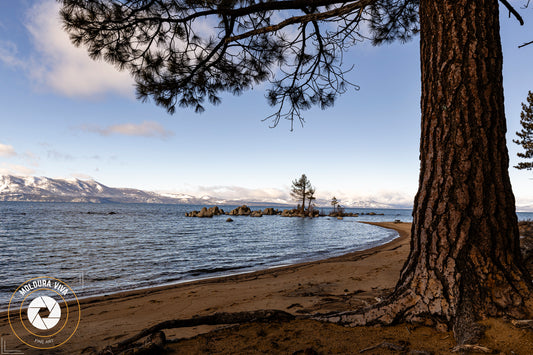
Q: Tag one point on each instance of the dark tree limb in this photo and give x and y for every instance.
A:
(525, 44)
(513, 11)
(214, 319)
(303, 19)
(176, 62)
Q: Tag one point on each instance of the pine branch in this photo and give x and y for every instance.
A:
(513, 11)
(525, 44)
(304, 19)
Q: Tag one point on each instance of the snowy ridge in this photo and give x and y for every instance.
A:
(43, 189)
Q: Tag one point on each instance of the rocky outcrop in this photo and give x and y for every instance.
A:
(289, 213)
(215, 211)
(205, 212)
(269, 211)
(313, 213)
(241, 211)
(246, 211)
(343, 214)
(256, 214)
(298, 213)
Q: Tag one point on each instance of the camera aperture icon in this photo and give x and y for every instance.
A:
(44, 303)
(44, 312)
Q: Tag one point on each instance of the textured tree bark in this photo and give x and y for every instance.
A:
(465, 261)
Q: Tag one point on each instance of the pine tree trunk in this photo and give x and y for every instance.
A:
(465, 253)
(465, 260)
(302, 209)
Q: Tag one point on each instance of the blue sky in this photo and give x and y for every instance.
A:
(64, 116)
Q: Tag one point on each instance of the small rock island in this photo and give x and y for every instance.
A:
(270, 211)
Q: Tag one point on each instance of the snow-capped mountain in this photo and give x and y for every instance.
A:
(31, 188)
(364, 204)
(43, 189)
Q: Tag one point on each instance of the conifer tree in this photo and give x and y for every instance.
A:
(526, 133)
(300, 191)
(310, 197)
(465, 262)
(334, 203)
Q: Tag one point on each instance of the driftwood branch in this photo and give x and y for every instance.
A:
(214, 319)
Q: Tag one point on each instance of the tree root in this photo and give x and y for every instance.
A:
(407, 307)
(387, 312)
(470, 348)
(215, 319)
(526, 323)
(466, 330)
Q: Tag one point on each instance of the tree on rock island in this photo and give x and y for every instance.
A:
(301, 190)
(465, 261)
(311, 197)
(334, 203)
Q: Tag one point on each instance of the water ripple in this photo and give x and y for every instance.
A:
(102, 248)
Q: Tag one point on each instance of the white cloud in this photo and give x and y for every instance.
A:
(7, 150)
(238, 193)
(391, 198)
(144, 129)
(281, 195)
(59, 65)
(13, 169)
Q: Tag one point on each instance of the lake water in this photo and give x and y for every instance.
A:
(140, 245)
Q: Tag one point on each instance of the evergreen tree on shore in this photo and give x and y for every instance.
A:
(526, 133)
(465, 263)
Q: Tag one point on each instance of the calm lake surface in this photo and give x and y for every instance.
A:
(139, 245)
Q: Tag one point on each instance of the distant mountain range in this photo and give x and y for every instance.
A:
(43, 189)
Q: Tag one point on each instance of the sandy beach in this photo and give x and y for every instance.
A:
(336, 284)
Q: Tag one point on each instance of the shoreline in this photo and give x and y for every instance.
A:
(239, 276)
(251, 270)
(343, 283)
(110, 318)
